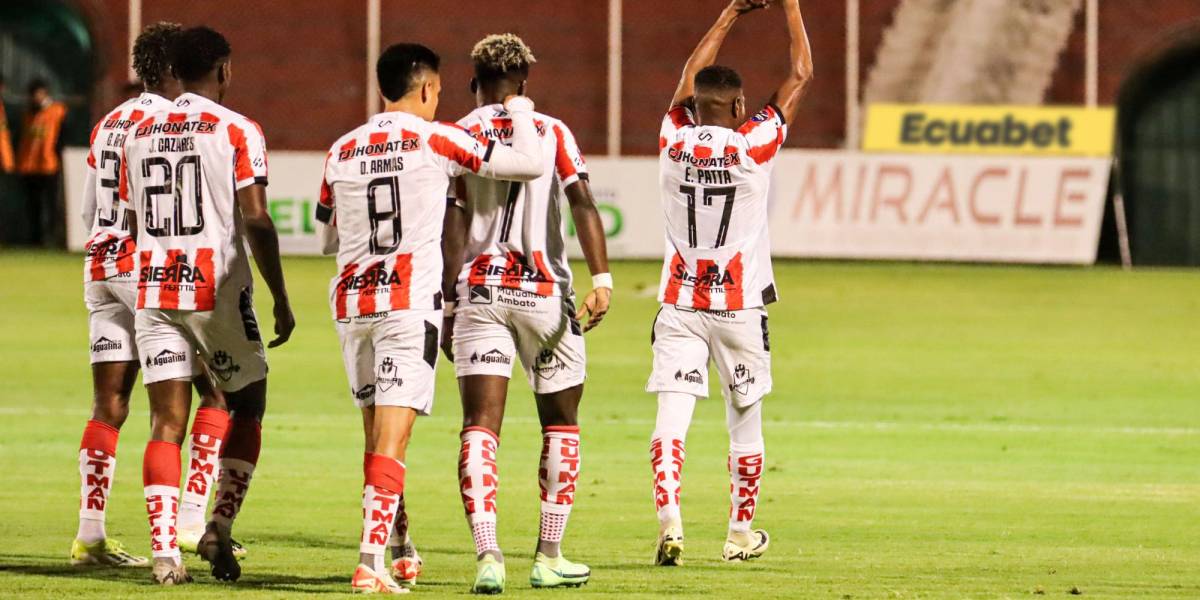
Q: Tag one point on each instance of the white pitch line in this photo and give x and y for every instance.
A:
(896, 426)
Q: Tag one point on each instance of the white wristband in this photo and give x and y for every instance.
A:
(519, 103)
(448, 308)
(602, 280)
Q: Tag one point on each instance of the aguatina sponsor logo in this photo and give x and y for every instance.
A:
(491, 357)
(693, 376)
(104, 344)
(365, 392)
(166, 357)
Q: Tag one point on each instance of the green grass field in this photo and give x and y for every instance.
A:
(935, 432)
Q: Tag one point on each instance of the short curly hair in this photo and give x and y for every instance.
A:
(497, 55)
(197, 51)
(150, 52)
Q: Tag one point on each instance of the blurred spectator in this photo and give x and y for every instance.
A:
(6, 151)
(39, 163)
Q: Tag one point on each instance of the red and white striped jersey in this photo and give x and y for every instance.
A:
(516, 237)
(110, 249)
(182, 169)
(385, 192)
(714, 197)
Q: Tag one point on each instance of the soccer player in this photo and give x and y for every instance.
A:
(715, 168)
(383, 200)
(516, 299)
(195, 174)
(110, 292)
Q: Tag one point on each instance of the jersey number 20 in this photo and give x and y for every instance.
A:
(168, 222)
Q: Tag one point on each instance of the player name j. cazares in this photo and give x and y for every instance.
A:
(949, 129)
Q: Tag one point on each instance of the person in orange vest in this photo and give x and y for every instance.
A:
(38, 159)
(6, 151)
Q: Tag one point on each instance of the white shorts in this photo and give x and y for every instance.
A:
(391, 358)
(737, 341)
(226, 338)
(110, 305)
(494, 324)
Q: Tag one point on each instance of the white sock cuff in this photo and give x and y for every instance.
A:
(556, 509)
(747, 448)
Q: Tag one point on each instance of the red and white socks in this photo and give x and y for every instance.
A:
(383, 484)
(204, 450)
(160, 478)
(745, 467)
(478, 481)
(239, 456)
(97, 468)
(667, 453)
(558, 474)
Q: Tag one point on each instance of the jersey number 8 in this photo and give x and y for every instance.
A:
(388, 215)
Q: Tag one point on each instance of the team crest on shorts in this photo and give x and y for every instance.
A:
(693, 376)
(548, 365)
(222, 365)
(741, 380)
(481, 294)
(387, 375)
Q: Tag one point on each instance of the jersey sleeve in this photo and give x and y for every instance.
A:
(569, 165)
(88, 211)
(325, 202)
(679, 117)
(764, 133)
(249, 153)
(457, 151)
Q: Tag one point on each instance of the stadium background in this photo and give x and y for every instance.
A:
(936, 431)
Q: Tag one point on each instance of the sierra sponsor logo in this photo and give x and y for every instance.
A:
(712, 278)
(104, 344)
(375, 276)
(517, 270)
(387, 375)
(693, 376)
(742, 380)
(491, 357)
(178, 272)
(166, 357)
(222, 365)
(111, 248)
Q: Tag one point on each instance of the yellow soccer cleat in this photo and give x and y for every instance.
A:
(557, 572)
(105, 553)
(489, 576)
(670, 546)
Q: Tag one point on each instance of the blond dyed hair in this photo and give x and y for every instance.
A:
(502, 52)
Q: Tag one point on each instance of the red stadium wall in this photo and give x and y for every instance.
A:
(299, 66)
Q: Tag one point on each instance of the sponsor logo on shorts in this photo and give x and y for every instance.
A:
(481, 294)
(387, 376)
(742, 379)
(693, 376)
(222, 365)
(548, 365)
(164, 358)
(106, 345)
(365, 392)
(491, 357)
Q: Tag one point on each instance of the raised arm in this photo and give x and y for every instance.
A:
(801, 70)
(523, 161)
(705, 53)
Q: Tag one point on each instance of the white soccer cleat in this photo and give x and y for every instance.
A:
(407, 569)
(670, 546)
(366, 581)
(170, 571)
(750, 549)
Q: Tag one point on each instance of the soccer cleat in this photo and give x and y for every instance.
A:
(169, 572)
(216, 547)
(105, 553)
(366, 581)
(489, 576)
(406, 569)
(737, 552)
(670, 547)
(189, 541)
(557, 572)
